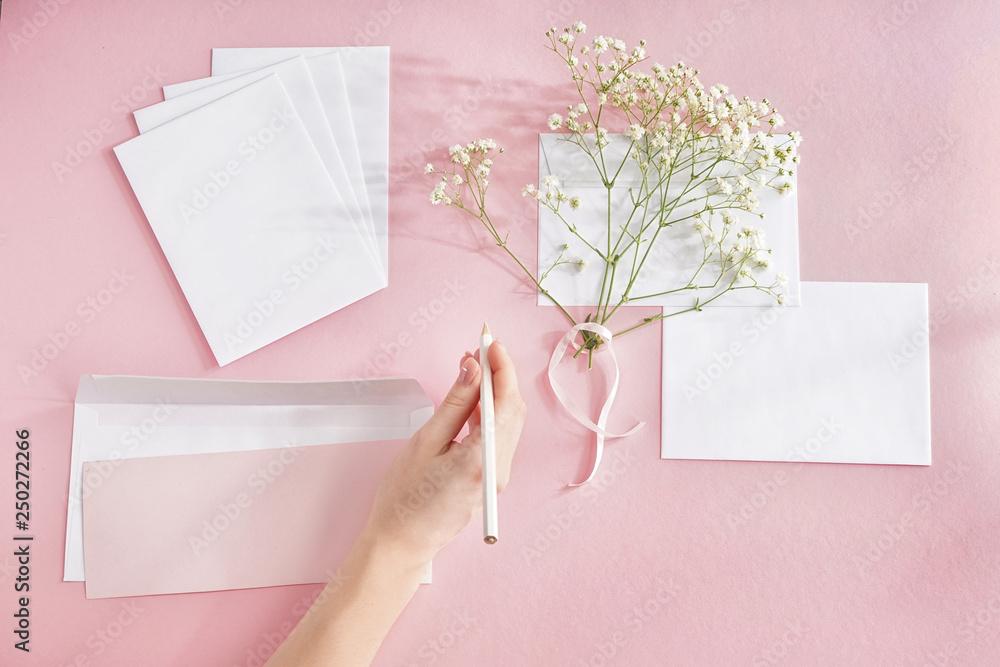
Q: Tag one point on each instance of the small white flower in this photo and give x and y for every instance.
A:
(579, 27)
(580, 265)
(574, 203)
(786, 188)
(635, 132)
(565, 38)
(796, 138)
(528, 190)
(429, 169)
(781, 299)
(782, 279)
(555, 121)
(438, 195)
(457, 180)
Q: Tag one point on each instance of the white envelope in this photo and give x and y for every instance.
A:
(120, 417)
(249, 219)
(298, 83)
(676, 253)
(844, 378)
(365, 73)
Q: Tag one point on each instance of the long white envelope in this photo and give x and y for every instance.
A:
(365, 72)
(844, 378)
(118, 418)
(675, 255)
(249, 219)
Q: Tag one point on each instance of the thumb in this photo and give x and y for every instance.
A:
(463, 397)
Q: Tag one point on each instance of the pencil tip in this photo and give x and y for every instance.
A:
(486, 329)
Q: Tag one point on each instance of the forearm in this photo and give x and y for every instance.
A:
(348, 621)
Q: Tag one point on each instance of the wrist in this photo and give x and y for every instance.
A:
(392, 556)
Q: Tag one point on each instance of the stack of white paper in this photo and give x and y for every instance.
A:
(266, 186)
(842, 375)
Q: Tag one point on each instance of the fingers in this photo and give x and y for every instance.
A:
(463, 397)
(510, 409)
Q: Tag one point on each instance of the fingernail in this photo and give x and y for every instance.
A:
(468, 371)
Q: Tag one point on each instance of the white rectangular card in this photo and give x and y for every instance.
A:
(844, 378)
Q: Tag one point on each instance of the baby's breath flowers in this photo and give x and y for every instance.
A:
(703, 155)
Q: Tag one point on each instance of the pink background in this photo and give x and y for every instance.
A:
(841, 564)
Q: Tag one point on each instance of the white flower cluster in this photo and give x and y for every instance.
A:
(721, 150)
(474, 160)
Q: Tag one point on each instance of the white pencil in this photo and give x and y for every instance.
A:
(488, 424)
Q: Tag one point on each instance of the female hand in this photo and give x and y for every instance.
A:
(433, 488)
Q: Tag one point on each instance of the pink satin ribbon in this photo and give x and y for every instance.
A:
(573, 408)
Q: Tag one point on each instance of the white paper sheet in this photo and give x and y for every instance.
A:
(249, 219)
(677, 252)
(844, 378)
(119, 417)
(365, 72)
(294, 75)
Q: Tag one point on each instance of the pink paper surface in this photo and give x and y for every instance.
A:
(207, 522)
(770, 563)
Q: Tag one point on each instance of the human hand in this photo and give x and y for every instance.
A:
(433, 488)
